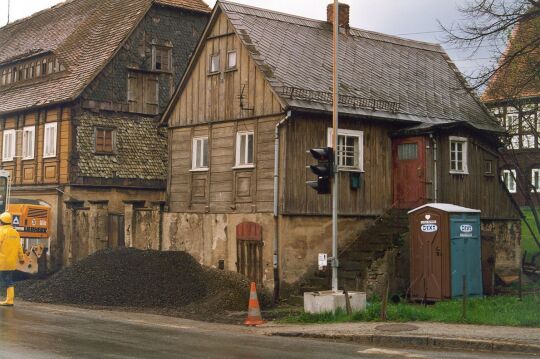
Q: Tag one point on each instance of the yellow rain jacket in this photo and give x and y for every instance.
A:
(11, 251)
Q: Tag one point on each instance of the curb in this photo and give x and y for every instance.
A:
(418, 341)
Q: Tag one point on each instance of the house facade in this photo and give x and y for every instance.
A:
(513, 95)
(82, 85)
(256, 96)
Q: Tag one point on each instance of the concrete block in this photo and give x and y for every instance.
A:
(328, 301)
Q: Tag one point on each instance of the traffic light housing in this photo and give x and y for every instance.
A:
(324, 169)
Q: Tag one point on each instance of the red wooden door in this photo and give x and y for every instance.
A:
(409, 157)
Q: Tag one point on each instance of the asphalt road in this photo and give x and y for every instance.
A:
(43, 331)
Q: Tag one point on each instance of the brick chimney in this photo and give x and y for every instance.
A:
(343, 14)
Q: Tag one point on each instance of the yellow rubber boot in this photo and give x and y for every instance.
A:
(10, 297)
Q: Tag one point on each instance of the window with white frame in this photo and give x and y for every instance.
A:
(527, 141)
(29, 140)
(244, 149)
(231, 60)
(214, 64)
(8, 147)
(535, 180)
(513, 143)
(509, 179)
(49, 147)
(350, 149)
(458, 155)
(199, 159)
(512, 122)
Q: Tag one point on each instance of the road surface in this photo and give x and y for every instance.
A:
(44, 331)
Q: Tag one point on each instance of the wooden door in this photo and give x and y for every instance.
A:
(116, 231)
(409, 173)
(250, 251)
(427, 253)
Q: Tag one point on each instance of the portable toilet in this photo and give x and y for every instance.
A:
(445, 248)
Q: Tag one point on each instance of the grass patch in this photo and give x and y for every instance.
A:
(527, 241)
(499, 310)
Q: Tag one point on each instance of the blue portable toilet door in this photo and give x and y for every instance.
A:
(465, 253)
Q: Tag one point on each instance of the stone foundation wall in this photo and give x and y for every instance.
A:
(507, 244)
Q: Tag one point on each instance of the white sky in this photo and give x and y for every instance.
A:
(396, 17)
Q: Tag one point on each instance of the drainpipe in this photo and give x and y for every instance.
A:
(276, 207)
(435, 190)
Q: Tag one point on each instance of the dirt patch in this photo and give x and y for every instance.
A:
(155, 281)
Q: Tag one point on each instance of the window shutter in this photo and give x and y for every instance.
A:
(151, 93)
(134, 92)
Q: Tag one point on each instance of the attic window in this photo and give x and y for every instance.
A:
(214, 64)
(161, 58)
(231, 60)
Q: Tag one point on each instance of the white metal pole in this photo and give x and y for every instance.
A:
(335, 184)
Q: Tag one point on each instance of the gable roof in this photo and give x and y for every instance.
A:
(380, 75)
(83, 34)
(519, 78)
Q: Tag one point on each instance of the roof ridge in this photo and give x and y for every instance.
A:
(37, 13)
(436, 47)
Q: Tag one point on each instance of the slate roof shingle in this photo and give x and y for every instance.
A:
(296, 52)
(83, 35)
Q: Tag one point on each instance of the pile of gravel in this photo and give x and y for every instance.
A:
(141, 279)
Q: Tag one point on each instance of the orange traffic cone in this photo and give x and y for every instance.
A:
(254, 311)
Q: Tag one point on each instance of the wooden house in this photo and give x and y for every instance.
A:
(82, 85)
(256, 96)
(513, 95)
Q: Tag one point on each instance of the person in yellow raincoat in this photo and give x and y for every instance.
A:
(11, 252)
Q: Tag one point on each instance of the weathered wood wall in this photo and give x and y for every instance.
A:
(475, 190)
(216, 97)
(375, 192)
(222, 188)
(39, 170)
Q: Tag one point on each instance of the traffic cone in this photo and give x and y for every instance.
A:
(254, 311)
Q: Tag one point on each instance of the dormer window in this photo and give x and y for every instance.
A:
(29, 70)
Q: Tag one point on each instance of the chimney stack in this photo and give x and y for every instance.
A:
(343, 14)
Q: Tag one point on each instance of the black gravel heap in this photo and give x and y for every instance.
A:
(145, 279)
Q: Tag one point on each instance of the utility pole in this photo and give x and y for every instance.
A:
(335, 182)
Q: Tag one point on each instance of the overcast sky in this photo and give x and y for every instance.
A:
(406, 18)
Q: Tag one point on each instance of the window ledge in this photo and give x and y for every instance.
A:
(49, 156)
(28, 158)
(8, 160)
(243, 167)
(199, 169)
(346, 169)
(232, 69)
(458, 172)
(214, 73)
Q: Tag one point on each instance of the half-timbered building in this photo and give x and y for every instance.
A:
(82, 85)
(513, 95)
(257, 95)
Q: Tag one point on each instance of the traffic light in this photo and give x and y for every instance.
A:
(324, 169)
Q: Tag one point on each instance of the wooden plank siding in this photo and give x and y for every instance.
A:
(216, 97)
(475, 190)
(375, 193)
(222, 188)
(218, 106)
(39, 170)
